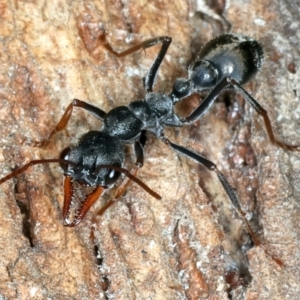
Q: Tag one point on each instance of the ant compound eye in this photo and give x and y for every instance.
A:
(64, 155)
(112, 176)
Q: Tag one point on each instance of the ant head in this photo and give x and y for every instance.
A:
(93, 150)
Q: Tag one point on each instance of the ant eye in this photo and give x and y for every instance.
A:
(112, 176)
(64, 155)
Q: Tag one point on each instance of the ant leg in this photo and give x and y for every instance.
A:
(206, 104)
(150, 78)
(227, 187)
(262, 112)
(212, 167)
(210, 99)
(62, 124)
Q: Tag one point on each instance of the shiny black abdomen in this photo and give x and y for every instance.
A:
(237, 56)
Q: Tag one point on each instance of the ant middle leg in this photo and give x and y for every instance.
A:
(62, 124)
(150, 77)
(206, 104)
(228, 189)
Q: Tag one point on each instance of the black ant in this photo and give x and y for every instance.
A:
(229, 60)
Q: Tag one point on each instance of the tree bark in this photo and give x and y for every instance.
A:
(191, 244)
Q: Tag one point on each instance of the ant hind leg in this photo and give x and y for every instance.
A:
(150, 77)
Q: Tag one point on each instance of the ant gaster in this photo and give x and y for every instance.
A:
(229, 60)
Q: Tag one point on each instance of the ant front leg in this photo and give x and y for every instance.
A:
(62, 124)
(210, 99)
(139, 153)
(150, 78)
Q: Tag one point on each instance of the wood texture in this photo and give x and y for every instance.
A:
(190, 244)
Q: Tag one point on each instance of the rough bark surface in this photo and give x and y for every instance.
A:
(191, 244)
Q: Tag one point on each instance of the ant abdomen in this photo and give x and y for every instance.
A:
(237, 56)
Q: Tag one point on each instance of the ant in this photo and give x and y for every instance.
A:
(230, 60)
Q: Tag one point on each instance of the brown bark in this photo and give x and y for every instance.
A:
(187, 245)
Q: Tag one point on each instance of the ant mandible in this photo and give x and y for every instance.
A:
(229, 60)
